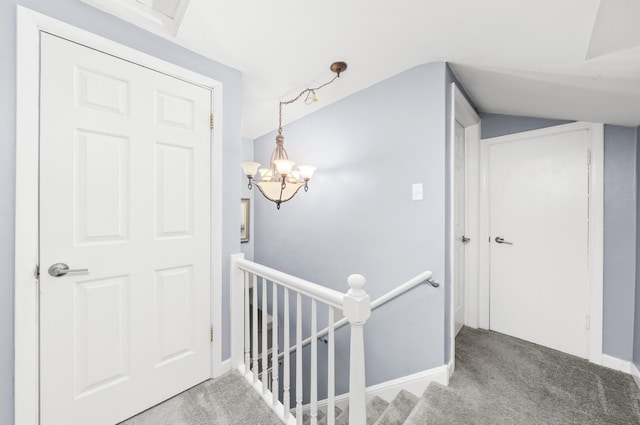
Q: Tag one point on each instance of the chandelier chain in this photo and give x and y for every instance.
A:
(307, 90)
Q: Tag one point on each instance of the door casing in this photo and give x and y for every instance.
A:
(480, 297)
(29, 26)
(463, 112)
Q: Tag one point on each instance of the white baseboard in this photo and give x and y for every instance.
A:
(451, 367)
(616, 364)
(415, 383)
(635, 373)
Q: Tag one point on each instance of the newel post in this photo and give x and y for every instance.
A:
(236, 307)
(357, 309)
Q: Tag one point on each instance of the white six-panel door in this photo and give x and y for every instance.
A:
(539, 206)
(124, 193)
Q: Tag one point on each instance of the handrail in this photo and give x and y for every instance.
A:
(310, 289)
(383, 299)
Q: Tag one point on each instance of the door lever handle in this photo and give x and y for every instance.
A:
(501, 240)
(61, 269)
(465, 239)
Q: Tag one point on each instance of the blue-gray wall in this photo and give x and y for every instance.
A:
(86, 17)
(619, 240)
(494, 125)
(358, 216)
(636, 339)
(619, 224)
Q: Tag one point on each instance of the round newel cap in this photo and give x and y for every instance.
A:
(356, 283)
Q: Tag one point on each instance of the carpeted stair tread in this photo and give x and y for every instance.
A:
(375, 407)
(439, 405)
(398, 410)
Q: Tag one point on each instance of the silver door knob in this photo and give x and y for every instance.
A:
(501, 240)
(61, 269)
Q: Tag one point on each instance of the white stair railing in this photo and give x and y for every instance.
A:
(355, 305)
(378, 302)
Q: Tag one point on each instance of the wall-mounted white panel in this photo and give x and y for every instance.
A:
(102, 342)
(99, 91)
(101, 187)
(174, 312)
(174, 191)
(174, 111)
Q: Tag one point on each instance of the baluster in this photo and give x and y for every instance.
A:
(286, 399)
(247, 336)
(314, 364)
(274, 346)
(331, 381)
(255, 329)
(265, 337)
(299, 359)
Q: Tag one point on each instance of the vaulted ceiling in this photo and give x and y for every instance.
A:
(565, 59)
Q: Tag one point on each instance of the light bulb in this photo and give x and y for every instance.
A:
(283, 166)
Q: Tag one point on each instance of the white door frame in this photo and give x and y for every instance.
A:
(596, 226)
(465, 114)
(26, 327)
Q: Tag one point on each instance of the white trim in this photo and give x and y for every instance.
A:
(29, 26)
(143, 15)
(616, 364)
(415, 383)
(462, 112)
(451, 367)
(596, 226)
(472, 224)
(635, 373)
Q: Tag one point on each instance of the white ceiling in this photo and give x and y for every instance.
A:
(513, 57)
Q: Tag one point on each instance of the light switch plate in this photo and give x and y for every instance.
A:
(416, 192)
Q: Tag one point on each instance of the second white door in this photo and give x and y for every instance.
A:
(539, 227)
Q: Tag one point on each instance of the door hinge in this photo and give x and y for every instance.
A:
(589, 157)
(588, 323)
(211, 334)
(37, 272)
(211, 121)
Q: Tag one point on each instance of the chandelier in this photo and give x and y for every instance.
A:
(281, 181)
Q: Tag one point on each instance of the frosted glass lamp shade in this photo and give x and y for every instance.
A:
(284, 166)
(306, 171)
(250, 168)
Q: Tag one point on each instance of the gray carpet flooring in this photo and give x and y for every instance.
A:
(228, 400)
(498, 380)
(503, 380)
